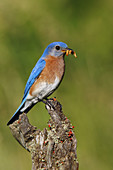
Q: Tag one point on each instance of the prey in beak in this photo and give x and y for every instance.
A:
(69, 51)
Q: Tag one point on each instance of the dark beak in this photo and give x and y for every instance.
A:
(69, 51)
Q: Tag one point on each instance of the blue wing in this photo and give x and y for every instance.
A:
(34, 74)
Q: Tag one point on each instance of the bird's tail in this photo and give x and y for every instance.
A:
(17, 113)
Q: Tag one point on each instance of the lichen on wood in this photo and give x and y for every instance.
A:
(50, 149)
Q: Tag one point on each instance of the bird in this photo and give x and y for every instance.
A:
(45, 77)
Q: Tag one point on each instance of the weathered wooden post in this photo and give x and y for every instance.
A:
(50, 149)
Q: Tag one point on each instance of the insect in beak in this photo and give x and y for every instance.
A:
(69, 51)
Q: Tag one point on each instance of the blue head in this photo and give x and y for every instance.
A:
(55, 49)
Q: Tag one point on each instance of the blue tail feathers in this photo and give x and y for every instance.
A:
(17, 113)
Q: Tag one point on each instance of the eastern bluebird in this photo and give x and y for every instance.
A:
(44, 78)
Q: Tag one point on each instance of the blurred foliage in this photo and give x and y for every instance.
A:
(86, 92)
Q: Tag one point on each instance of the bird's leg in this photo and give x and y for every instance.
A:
(48, 102)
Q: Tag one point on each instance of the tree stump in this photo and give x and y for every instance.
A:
(53, 149)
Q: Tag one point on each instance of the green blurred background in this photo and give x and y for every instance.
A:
(86, 92)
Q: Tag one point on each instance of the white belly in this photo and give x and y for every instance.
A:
(42, 90)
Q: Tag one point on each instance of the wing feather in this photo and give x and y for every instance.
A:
(34, 74)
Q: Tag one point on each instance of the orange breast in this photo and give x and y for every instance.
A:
(54, 68)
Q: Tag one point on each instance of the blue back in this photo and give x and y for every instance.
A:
(34, 74)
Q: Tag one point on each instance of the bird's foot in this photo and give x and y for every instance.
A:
(47, 102)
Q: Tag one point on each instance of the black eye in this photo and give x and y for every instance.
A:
(57, 47)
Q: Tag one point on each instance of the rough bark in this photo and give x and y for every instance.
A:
(50, 149)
